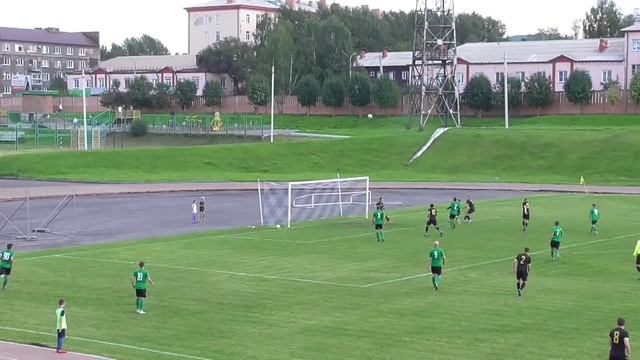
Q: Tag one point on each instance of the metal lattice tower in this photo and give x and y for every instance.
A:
(433, 86)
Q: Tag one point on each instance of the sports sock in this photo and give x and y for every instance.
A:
(381, 236)
(433, 280)
(426, 230)
(141, 304)
(137, 304)
(518, 286)
(377, 236)
(522, 286)
(4, 283)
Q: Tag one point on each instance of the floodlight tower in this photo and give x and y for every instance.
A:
(433, 86)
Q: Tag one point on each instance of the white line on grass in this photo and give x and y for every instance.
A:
(108, 343)
(50, 349)
(495, 261)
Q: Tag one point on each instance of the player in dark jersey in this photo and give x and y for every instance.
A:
(526, 214)
(522, 267)
(201, 209)
(471, 208)
(432, 220)
(619, 342)
(380, 205)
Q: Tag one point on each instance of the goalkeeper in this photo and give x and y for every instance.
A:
(380, 206)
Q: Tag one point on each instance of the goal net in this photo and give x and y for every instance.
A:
(282, 204)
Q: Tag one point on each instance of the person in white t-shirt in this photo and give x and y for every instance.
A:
(194, 212)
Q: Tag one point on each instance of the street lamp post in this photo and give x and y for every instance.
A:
(84, 110)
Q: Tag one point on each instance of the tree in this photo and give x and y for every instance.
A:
(514, 86)
(613, 91)
(161, 96)
(278, 48)
(212, 93)
(578, 87)
(333, 93)
(478, 94)
(385, 93)
(258, 92)
(359, 90)
(185, 93)
(477, 28)
(231, 57)
(114, 97)
(539, 93)
(308, 91)
(635, 89)
(603, 20)
(140, 92)
(60, 85)
(550, 33)
(133, 46)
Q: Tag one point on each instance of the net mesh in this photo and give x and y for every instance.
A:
(313, 200)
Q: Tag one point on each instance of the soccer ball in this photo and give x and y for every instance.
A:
(370, 116)
(278, 226)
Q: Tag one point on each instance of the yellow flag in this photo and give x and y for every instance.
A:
(581, 180)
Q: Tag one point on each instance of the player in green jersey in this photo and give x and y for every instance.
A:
(437, 263)
(378, 222)
(556, 239)
(453, 213)
(7, 259)
(594, 216)
(459, 210)
(139, 281)
(61, 326)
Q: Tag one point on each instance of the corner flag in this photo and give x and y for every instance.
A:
(584, 183)
(581, 180)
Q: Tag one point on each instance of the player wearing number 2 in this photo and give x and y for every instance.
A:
(522, 267)
(619, 342)
(139, 282)
(437, 262)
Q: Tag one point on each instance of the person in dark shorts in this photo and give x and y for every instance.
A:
(139, 281)
(380, 205)
(437, 263)
(201, 209)
(556, 239)
(620, 347)
(454, 212)
(526, 214)
(378, 222)
(7, 260)
(522, 267)
(432, 220)
(471, 208)
(636, 253)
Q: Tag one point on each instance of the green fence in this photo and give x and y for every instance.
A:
(20, 136)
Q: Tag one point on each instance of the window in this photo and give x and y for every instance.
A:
(258, 18)
(76, 83)
(45, 49)
(154, 82)
(247, 36)
(217, 19)
(44, 88)
(6, 90)
(36, 77)
(6, 61)
(57, 50)
(562, 76)
(223, 83)
(34, 64)
(69, 64)
(542, 73)
(217, 35)
(82, 52)
(45, 63)
(636, 45)
(405, 75)
(460, 78)
(127, 82)
(32, 49)
(248, 19)
(209, 19)
(46, 76)
(58, 64)
(607, 76)
(206, 36)
(6, 76)
(521, 76)
(69, 51)
(6, 47)
(82, 64)
(60, 75)
(168, 81)
(196, 80)
(634, 69)
(101, 83)
(89, 83)
(499, 77)
(19, 62)
(392, 75)
(113, 83)
(19, 48)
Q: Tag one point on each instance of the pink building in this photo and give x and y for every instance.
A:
(167, 69)
(615, 59)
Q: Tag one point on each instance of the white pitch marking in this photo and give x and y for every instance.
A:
(51, 350)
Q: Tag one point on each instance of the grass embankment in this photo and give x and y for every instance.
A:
(605, 150)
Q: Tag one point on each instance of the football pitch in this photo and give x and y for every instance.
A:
(327, 290)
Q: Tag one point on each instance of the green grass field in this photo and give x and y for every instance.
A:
(326, 290)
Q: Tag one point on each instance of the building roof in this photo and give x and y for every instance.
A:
(50, 36)
(586, 50)
(235, 3)
(634, 27)
(148, 63)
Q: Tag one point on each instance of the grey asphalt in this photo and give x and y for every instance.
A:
(111, 218)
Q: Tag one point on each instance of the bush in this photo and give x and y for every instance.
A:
(578, 87)
(539, 92)
(212, 93)
(385, 93)
(138, 128)
(359, 90)
(333, 93)
(478, 94)
(258, 92)
(308, 91)
(635, 89)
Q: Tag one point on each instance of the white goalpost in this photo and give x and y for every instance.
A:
(282, 204)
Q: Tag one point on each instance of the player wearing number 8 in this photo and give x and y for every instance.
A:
(139, 282)
(437, 262)
(619, 342)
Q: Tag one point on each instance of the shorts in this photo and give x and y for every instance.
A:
(469, 212)
(616, 356)
(5, 271)
(379, 226)
(555, 244)
(593, 222)
(141, 293)
(201, 209)
(526, 216)
(452, 216)
(638, 260)
(436, 270)
(431, 222)
(522, 275)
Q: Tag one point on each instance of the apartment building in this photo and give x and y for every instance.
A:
(615, 59)
(31, 58)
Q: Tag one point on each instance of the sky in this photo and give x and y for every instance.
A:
(167, 19)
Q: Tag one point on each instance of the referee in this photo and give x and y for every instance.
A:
(636, 253)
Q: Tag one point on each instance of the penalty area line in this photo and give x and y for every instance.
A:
(108, 343)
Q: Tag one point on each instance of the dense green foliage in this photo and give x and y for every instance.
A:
(386, 93)
(308, 91)
(478, 94)
(133, 46)
(212, 93)
(539, 93)
(139, 93)
(185, 93)
(359, 90)
(515, 95)
(605, 20)
(635, 89)
(258, 92)
(333, 93)
(578, 87)
(232, 57)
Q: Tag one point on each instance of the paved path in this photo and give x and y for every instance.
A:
(11, 351)
(15, 189)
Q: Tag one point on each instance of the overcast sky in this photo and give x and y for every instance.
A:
(167, 19)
